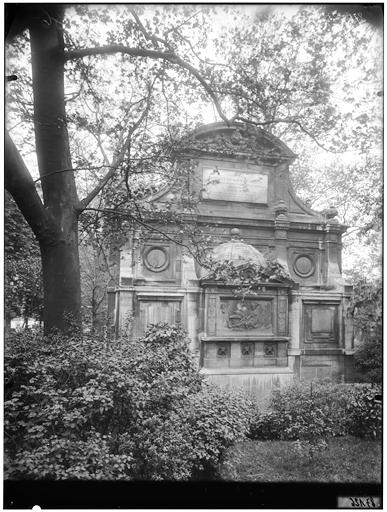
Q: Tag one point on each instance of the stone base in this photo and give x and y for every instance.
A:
(336, 368)
(259, 384)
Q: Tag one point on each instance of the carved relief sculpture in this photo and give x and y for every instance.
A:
(269, 350)
(304, 265)
(247, 349)
(250, 314)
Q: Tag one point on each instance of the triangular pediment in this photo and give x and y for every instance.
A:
(235, 140)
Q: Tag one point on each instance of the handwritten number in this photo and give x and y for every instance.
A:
(360, 503)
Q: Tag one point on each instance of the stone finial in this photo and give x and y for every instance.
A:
(281, 209)
(330, 213)
(235, 233)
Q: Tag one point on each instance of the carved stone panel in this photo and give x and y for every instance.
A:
(234, 185)
(223, 350)
(251, 316)
(156, 258)
(270, 349)
(247, 349)
(158, 261)
(245, 354)
(304, 264)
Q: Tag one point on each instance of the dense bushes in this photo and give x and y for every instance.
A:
(369, 360)
(367, 310)
(312, 412)
(96, 409)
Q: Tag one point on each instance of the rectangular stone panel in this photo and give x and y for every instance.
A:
(250, 316)
(321, 325)
(234, 354)
(322, 320)
(234, 185)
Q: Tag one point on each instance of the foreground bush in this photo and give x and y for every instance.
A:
(313, 412)
(96, 409)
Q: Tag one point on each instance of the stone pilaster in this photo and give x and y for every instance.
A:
(348, 321)
(281, 228)
(126, 264)
(189, 276)
(126, 313)
(332, 246)
(295, 322)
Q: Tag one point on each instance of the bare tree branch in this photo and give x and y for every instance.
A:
(288, 121)
(72, 169)
(149, 227)
(118, 159)
(155, 39)
(115, 164)
(101, 148)
(152, 54)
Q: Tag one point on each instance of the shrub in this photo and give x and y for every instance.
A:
(216, 421)
(367, 310)
(369, 360)
(364, 413)
(92, 408)
(314, 412)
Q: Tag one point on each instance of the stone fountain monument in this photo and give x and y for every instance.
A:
(288, 328)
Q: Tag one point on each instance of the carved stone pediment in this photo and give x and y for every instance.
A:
(236, 140)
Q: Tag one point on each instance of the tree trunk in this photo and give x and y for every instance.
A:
(62, 299)
(59, 251)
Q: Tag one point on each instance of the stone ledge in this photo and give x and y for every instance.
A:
(323, 352)
(244, 338)
(246, 371)
(294, 352)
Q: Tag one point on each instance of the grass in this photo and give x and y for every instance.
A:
(345, 460)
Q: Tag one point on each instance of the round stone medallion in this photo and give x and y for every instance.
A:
(304, 266)
(156, 259)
